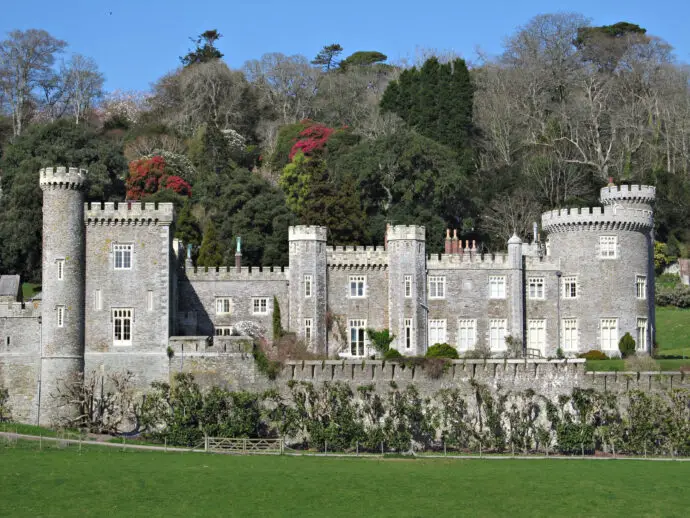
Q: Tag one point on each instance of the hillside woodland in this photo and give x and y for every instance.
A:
(352, 141)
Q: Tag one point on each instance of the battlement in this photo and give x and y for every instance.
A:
(307, 233)
(62, 178)
(642, 194)
(468, 261)
(128, 212)
(607, 218)
(247, 273)
(411, 232)
(357, 256)
(30, 309)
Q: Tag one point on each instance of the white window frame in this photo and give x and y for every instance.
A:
(641, 287)
(357, 286)
(407, 282)
(536, 288)
(498, 330)
(308, 286)
(357, 339)
(570, 336)
(222, 330)
(308, 330)
(60, 263)
(437, 326)
(60, 316)
(437, 286)
(536, 334)
(642, 328)
(608, 334)
(570, 285)
(98, 300)
(124, 318)
(409, 334)
(223, 305)
(608, 247)
(149, 300)
(497, 286)
(259, 305)
(467, 334)
(123, 251)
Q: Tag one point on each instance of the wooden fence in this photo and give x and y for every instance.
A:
(244, 446)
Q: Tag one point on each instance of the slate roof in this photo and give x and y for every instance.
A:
(9, 285)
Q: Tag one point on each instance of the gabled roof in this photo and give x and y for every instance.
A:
(9, 285)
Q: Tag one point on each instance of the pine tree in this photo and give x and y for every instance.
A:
(210, 253)
(187, 229)
(327, 57)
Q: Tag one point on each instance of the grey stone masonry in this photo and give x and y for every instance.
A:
(63, 275)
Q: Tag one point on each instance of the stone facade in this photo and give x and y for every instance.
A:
(131, 301)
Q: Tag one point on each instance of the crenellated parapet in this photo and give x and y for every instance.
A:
(247, 273)
(307, 233)
(406, 232)
(31, 309)
(357, 257)
(128, 213)
(628, 194)
(468, 261)
(608, 218)
(71, 178)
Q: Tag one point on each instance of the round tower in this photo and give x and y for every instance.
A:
(605, 258)
(62, 331)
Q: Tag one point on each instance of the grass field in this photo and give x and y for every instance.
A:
(673, 330)
(111, 483)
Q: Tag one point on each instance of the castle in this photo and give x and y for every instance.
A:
(118, 291)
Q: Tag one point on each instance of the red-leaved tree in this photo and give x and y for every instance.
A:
(311, 139)
(147, 176)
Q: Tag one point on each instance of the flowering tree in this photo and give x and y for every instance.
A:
(311, 139)
(148, 176)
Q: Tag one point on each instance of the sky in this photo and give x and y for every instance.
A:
(136, 42)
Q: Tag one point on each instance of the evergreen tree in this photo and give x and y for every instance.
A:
(205, 48)
(210, 253)
(327, 56)
(187, 229)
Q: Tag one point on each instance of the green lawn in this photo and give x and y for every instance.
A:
(673, 330)
(111, 483)
(619, 365)
(30, 289)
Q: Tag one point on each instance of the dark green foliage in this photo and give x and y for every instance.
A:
(626, 345)
(363, 58)
(435, 100)
(287, 136)
(5, 413)
(203, 52)
(678, 296)
(442, 351)
(380, 340)
(277, 325)
(211, 252)
(604, 46)
(187, 229)
(593, 355)
(266, 366)
(47, 145)
(392, 354)
(327, 58)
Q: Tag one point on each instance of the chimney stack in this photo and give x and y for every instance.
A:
(447, 243)
(454, 242)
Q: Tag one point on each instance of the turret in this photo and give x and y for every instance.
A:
(517, 302)
(308, 287)
(62, 342)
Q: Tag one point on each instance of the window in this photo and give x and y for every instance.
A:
(535, 288)
(570, 287)
(260, 306)
(437, 332)
(497, 287)
(536, 335)
(7, 341)
(437, 288)
(408, 333)
(609, 334)
(570, 334)
(61, 316)
(149, 300)
(641, 334)
(408, 286)
(60, 269)
(608, 246)
(641, 286)
(357, 337)
(223, 305)
(467, 334)
(308, 325)
(97, 300)
(223, 331)
(358, 286)
(497, 334)
(123, 257)
(307, 286)
(122, 326)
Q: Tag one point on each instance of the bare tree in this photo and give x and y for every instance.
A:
(508, 214)
(84, 84)
(26, 58)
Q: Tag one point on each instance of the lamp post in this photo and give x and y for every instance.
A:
(558, 306)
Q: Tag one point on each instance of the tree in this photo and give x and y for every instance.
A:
(363, 58)
(149, 176)
(606, 45)
(205, 52)
(328, 57)
(187, 228)
(210, 253)
(626, 345)
(26, 58)
(84, 85)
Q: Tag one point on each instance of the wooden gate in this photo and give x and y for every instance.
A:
(244, 446)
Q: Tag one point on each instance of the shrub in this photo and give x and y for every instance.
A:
(626, 346)
(593, 355)
(435, 366)
(559, 353)
(392, 354)
(277, 325)
(266, 366)
(380, 340)
(641, 364)
(442, 351)
(4, 405)
(481, 351)
(678, 296)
